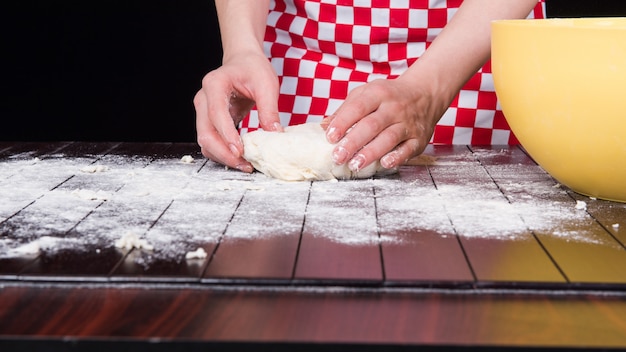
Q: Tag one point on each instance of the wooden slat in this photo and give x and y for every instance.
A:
(584, 250)
(86, 149)
(337, 214)
(165, 173)
(36, 200)
(10, 267)
(196, 218)
(349, 229)
(261, 242)
(428, 320)
(5, 147)
(98, 257)
(494, 237)
(29, 150)
(415, 254)
(611, 215)
(145, 150)
(90, 263)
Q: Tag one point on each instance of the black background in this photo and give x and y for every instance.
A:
(104, 70)
(96, 70)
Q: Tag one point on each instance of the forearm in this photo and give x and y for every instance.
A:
(464, 45)
(242, 25)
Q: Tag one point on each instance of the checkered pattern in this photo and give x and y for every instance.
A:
(323, 49)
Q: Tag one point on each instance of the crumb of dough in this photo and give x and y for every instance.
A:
(187, 159)
(581, 205)
(199, 253)
(130, 240)
(615, 226)
(91, 195)
(254, 188)
(223, 186)
(94, 168)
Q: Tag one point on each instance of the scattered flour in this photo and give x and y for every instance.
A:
(173, 210)
(187, 159)
(130, 240)
(199, 253)
(34, 247)
(94, 168)
(91, 194)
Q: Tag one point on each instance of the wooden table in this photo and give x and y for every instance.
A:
(478, 248)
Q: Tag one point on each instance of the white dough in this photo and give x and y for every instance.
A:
(187, 159)
(94, 168)
(199, 253)
(130, 240)
(301, 153)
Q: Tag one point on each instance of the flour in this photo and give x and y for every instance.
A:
(187, 159)
(199, 253)
(91, 194)
(94, 168)
(168, 208)
(130, 240)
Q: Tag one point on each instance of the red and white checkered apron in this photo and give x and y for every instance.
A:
(322, 49)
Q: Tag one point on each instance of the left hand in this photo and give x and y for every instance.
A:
(387, 120)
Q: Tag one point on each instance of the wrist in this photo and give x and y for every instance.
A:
(437, 85)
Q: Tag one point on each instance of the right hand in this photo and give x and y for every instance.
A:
(227, 95)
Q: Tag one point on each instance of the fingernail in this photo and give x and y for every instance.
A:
(356, 163)
(245, 168)
(388, 161)
(325, 122)
(340, 155)
(277, 127)
(234, 150)
(332, 135)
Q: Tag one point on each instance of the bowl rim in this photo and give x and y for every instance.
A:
(587, 23)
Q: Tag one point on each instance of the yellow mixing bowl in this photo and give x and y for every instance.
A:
(562, 87)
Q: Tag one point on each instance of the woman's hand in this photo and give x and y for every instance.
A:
(227, 95)
(386, 120)
(394, 120)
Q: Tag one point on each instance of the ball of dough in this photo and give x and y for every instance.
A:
(301, 153)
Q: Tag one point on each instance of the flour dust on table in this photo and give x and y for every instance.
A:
(172, 210)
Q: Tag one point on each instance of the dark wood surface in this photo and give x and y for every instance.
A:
(399, 261)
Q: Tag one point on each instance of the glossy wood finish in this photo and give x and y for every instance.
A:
(284, 274)
(427, 318)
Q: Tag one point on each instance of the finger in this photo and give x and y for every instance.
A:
(381, 145)
(267, 105)
(211, 142)
(357, 137)
(241, 165)
(360, 102)
(402, 153)
(325, 122)
(217, 98)
(218, 152)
